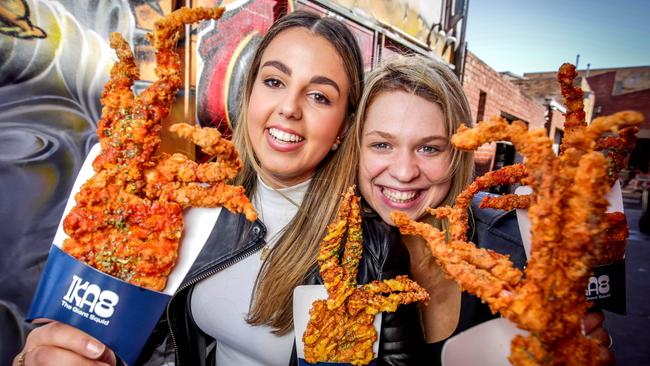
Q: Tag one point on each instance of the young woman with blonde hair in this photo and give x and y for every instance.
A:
(410, 108)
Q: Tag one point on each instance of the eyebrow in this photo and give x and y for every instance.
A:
(278, 65)
(318, 79)
(387, 135)
(325, 81)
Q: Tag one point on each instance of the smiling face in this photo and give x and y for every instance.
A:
(405, 155)
(297, 106)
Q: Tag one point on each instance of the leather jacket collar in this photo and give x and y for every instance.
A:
(233, 238)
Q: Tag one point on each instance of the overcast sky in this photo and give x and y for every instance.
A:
(527, 36)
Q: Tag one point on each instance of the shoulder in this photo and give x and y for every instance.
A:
(229, 236)
(497, 230)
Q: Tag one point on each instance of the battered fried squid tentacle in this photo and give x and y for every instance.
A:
(574, 118)
(481, 272)
(458, 215)
(208, 139)
(232, 198)
(179, 167)
(128, 218)
(587, 139)
(568, 223)
(506, 202)
(615, 241)
(328, 258)
(387, 295)
(159, 95)
(351, 253)
(618, 149)
(117, 93)
(340, 329)
(510, 174)
(533, 145)
(340, 279)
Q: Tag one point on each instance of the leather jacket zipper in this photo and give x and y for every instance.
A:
(200, 277)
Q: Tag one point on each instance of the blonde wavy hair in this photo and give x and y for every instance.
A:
(436, 83)
(293, 259)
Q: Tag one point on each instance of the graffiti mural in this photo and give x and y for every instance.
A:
(14, 15)
(54, 59)
(225, 56)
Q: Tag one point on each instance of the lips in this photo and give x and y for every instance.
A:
(283, 140)
(284, 136)
(400, 197)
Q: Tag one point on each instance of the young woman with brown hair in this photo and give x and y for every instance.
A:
(299, 100)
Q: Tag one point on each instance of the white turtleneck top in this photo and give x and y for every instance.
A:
(220, 303)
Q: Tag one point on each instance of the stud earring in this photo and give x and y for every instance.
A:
(336, 143)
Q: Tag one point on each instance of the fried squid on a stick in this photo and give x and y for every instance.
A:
(340, 329)
(128, 218)
(617, 149)
(574, 118)
(567, 211)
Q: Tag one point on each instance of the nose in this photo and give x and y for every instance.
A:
(290, 106)
(404, 167)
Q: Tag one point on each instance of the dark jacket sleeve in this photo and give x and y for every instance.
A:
(13, 331)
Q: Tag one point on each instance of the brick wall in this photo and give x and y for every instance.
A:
(607, 103)
(501, 96)
(627, 79)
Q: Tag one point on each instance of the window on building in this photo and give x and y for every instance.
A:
(617, 87)
(480, 112)
(557, 140)
(511, 118)
(505, 155)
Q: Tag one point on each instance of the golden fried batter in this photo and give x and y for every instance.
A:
(574, 118)
(618, 149)
(128, 218)
(615, 241)
(340, 329)
(567, 211)
(506, 202)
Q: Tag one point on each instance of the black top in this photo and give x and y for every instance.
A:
(491, 229)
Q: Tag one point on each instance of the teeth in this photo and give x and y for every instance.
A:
(284, 136)
(399, 196)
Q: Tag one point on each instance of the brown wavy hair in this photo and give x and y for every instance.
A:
(293, 258)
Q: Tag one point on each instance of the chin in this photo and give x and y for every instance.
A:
(385, 215)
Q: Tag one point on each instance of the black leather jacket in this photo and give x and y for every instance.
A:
(233, 238)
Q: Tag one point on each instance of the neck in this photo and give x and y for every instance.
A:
(283, 182)
(293, 194)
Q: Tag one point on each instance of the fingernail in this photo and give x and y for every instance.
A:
(94, 349)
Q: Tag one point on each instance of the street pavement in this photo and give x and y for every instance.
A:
(631, 332)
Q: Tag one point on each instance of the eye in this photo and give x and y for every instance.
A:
(320, 98)
(429, 149)
(273, 83)
(380, 146)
